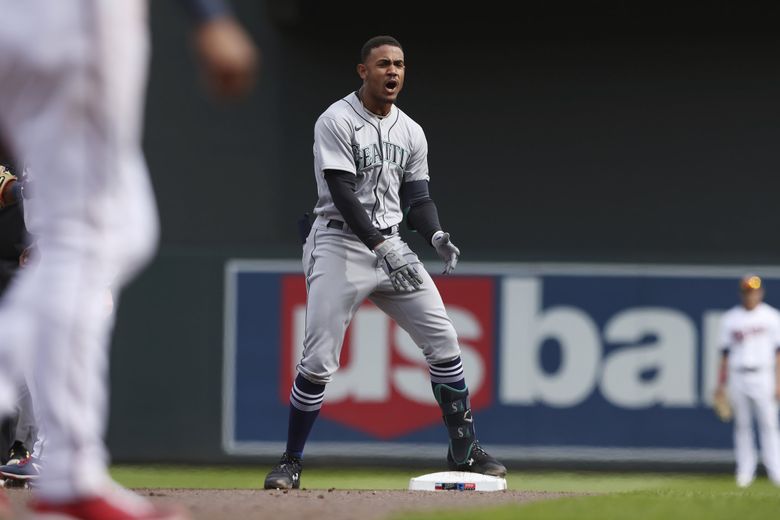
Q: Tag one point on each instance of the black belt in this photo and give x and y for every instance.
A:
(337, 224)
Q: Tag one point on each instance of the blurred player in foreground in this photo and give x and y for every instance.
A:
(371, 168)
(750, 337)
(71, 105)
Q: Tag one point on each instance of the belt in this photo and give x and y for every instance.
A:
(337, 224)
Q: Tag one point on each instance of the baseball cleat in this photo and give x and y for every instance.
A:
(24, 470)
(286, 474)
(478, 461)
(744, 482)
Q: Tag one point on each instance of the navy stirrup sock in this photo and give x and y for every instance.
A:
(305, 403)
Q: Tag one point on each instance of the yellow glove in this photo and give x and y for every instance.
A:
(6, 180)
(722, 406)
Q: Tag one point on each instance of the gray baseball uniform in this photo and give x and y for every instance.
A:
(341, 272)
(363, 163)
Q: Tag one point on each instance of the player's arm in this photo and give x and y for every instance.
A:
(777, 373)
(723, 367)
(227, 55)
(723, 371)
(423, 217)
(342, 187)
(334, 158)
(421, 212)
(204, 10)
(342, 184)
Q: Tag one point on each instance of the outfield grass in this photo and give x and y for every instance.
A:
(613, 495)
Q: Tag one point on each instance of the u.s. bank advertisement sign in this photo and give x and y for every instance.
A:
(579, 360)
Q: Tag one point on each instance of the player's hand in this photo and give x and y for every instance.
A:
(446, 250)
(403, 276)
(29, 254)
(228, 56)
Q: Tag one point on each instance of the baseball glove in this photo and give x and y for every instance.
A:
(6, 180)
(722, 407)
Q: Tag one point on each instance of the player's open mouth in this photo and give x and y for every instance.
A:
(391, 85)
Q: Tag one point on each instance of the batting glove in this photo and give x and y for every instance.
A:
(403, 276)
(446, 250)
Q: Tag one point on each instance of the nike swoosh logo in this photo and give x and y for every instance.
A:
(359, 127)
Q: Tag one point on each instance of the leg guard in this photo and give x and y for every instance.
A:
(464, 453)
(456, 412)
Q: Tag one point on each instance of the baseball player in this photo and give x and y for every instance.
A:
(750, 335)
(22, 427)
(370, 164)
(71, 105)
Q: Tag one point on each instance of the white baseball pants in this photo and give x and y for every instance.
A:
(72, 83)
(752, 395)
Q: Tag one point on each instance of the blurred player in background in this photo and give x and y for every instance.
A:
(71, 105)
(750, 336)
(20, 430)
(371, 168)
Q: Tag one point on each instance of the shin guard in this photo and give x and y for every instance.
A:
(456, 412)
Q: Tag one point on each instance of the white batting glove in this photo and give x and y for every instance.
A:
(446, 250)
(403, 276)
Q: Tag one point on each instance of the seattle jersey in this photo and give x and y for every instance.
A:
(751, 337)
(382, 152)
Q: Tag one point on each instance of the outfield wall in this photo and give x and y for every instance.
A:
(567, 363)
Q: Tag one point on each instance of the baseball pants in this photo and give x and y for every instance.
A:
(752, 395)
(341, 272)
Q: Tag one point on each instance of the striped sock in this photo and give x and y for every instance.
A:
(305, 403)
(449, 373)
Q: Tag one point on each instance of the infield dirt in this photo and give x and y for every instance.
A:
(334, 504)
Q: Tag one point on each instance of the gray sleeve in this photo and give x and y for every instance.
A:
(417, 167)
(333, 146)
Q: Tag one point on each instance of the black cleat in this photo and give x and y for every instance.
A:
(286, 474)
(478, 461)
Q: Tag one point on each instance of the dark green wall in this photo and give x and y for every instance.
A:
(576, 131)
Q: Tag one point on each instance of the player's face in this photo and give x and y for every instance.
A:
(383, 76)
(751, 298)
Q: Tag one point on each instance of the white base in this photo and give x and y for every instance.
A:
(457, 481)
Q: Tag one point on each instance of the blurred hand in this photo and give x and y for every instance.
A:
(28, 255)
(720, 392)
(777, 391)
(228, 57)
